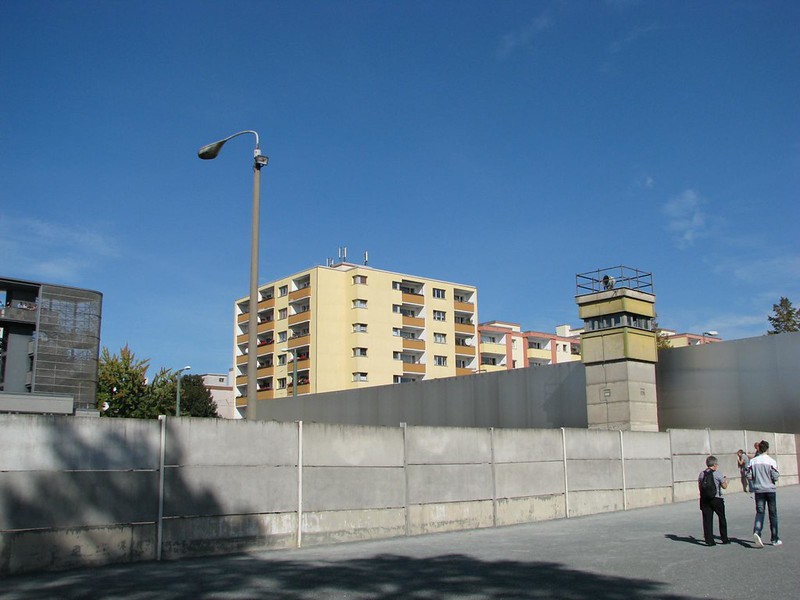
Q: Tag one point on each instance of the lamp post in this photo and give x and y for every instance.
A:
(710, 334)
(294, 369)
(178, 398)
(209, 152)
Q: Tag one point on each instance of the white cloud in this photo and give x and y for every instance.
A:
(685, 218)
(58, 252)
(514, 40)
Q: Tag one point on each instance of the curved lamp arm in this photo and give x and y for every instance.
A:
(210, 151)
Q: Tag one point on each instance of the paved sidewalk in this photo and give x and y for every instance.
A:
(652, 553)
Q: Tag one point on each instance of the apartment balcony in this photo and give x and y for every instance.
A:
(265, 371)
(303, 388)
(418, 368)
(413, 322)
(467, 307)
(266, 326)
(300, 294)
(540, 354)
(241, 359)
(410, 298)
(461, 371)
(465, 350)
(242, 317)
(241, 338)
(409, 344)
(299, 340)
(464, 328)
(265, 304)
(301, 317)
(241, 401)
(241, 380)
(25, 313)
(491, 368)
(264, 395)
(490, 348)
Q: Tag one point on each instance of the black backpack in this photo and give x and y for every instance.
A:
(708, 487)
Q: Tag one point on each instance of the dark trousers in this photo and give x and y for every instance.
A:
(708, 508)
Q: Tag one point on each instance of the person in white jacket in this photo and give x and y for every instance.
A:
(763, 472)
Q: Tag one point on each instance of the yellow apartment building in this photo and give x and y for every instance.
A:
(503, 345)
(348, 326)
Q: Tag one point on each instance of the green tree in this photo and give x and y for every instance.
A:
(196, 400)
(122, 389)
(662, 342)
(785, 317)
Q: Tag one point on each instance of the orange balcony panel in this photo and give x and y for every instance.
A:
(242, 318)
(241, 380)
(265, 371)
(304, 389)
(413, 344)
(241, 401)
(265, 304)
(264, 395)
(300, 317)
(301, 293)
(467, 307)
(460, 371)
(241, 359)
(265, 327)
(413, 368)
(241, 339)
(464, 327)
(303, 364)
(414, 322)
(413, 298)
(465, 350)
(300, 340)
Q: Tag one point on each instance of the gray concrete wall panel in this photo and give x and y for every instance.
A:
(439, 445)
(345, 488)
(592, 444)
(687, 467)
(429, 484)
(689, 441)
(223, 442)
(78, 547)
(637, 445)
(331, 527)
(515, 480)
(204, 536)
(591, 502)
(750, 383)
(219, 490)
(527, 445)
(648, 473)
(453, 516)
(511, 511)
(47, 442)
(76, 498)
(594, 474)
(338, 445)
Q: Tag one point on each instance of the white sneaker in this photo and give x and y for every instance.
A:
(777, 543)
(757, 540)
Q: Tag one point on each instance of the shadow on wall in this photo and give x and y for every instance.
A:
(382, 577)
(79, 492)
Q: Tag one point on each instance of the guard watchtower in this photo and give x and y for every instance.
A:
(618, 347)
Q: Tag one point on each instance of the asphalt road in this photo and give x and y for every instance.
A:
(652, 553)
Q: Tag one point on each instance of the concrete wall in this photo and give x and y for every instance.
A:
(77, 492)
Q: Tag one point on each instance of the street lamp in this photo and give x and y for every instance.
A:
(209, 152)
(294, 369)
(178, 398)
(710, 334)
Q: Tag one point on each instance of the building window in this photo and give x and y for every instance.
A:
(396, 331)
(359, 303)
(359, 327)
(396, 285)
(360, 279)
(438, 293)
(439, 315)
(359, 351)
(282, 313)
(283, 290)
(462, 363)
(281, 360)
(281, 336)
(440, 338)
(281, 383)
(360, 376)
(440, 361)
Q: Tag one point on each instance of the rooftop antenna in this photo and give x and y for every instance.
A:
(366, 258)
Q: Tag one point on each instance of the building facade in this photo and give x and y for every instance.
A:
(218, 385)
(348, 326)
(49, 347)
(504, 345)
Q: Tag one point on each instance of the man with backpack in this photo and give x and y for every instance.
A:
(711, 483)
(763, 472)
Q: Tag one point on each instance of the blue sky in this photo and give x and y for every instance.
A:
(507, 145)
